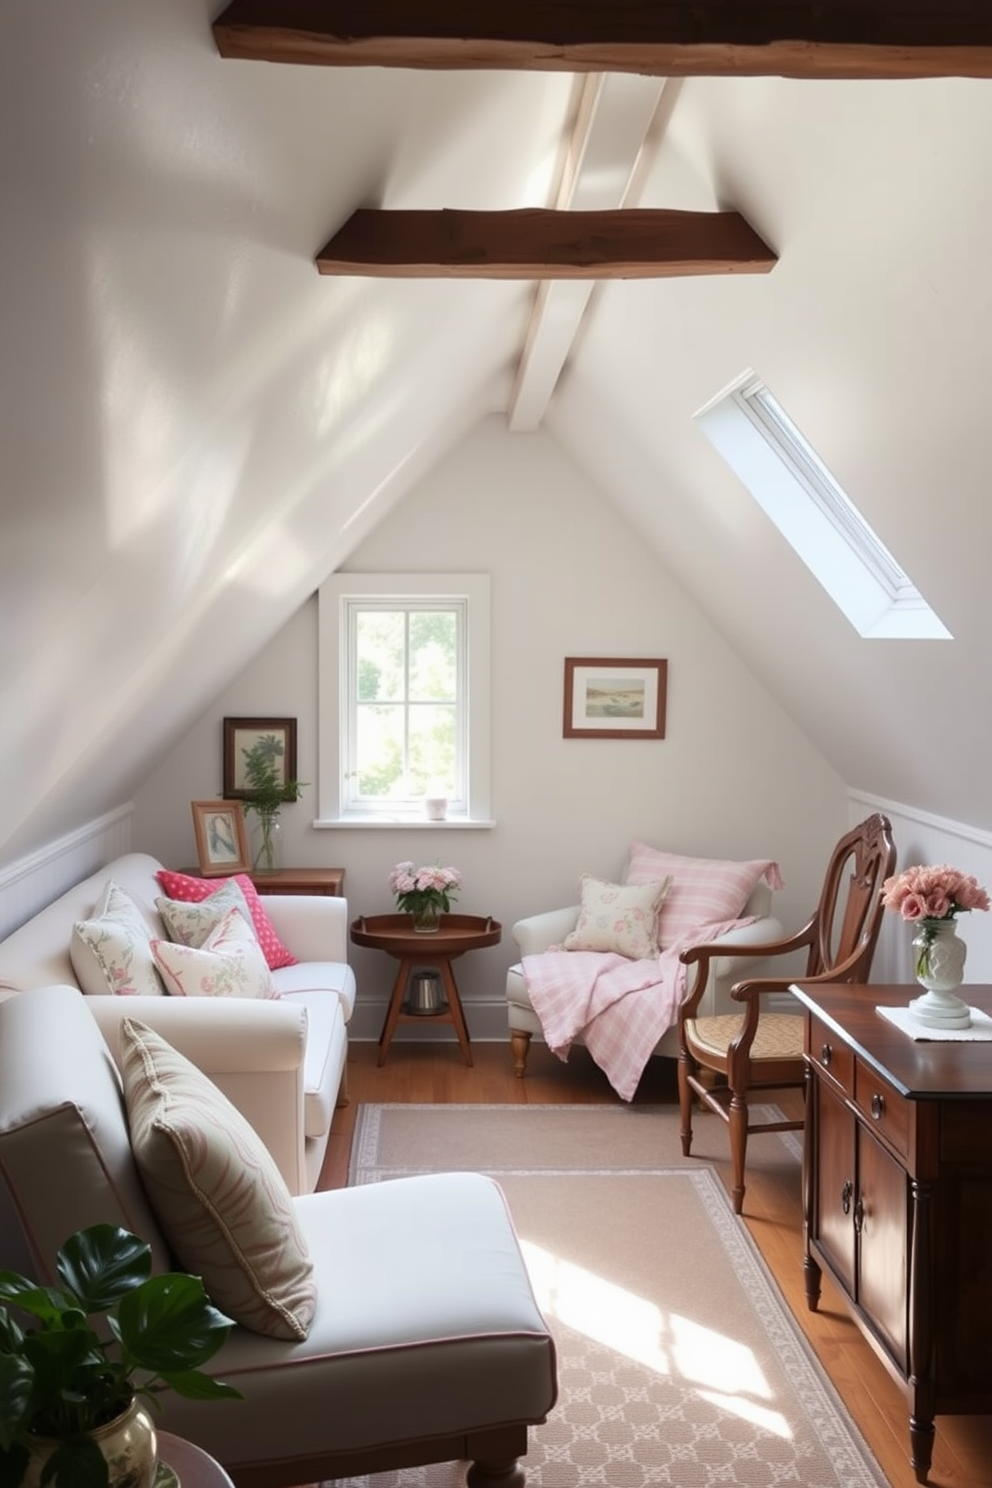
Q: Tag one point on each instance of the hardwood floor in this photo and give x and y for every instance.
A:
(432, 1073)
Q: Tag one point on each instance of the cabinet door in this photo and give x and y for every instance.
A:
(835, 1178)
(883, 1260)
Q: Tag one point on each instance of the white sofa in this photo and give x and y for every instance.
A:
(537, 932)
(281, 1062)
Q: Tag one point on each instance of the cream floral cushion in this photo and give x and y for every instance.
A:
(190, 924)
(617, 917)
(221, 1201)
(229, 963)
(112, 951)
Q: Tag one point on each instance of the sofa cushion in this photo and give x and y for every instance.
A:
(219, 1197)
(321, 977)
(112, 951)
(229, 963)
(190, 923)
(704, 891)
(618, 918)
(326, 1037)
(185, 886)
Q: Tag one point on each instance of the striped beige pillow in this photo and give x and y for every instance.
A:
(222, 1203)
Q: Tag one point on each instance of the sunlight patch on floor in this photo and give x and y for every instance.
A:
(726, 1372)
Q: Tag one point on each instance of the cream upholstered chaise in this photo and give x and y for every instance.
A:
(421, 1338)
(713, 890)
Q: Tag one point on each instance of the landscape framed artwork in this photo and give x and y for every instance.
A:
(221, 838)
(621, 698)
(278, 739)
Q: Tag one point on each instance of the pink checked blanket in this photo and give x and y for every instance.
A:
(619, 1007)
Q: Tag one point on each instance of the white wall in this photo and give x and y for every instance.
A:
(733, 778)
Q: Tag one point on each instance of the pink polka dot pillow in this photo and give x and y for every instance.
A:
(184, 886)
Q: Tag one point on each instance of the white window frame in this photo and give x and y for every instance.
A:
(820, 522)
(337, 599)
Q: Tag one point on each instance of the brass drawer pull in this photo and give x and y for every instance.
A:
(877, 1106)
(845, 1196)
(826, 1054)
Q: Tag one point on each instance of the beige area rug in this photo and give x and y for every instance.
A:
(679, 1361)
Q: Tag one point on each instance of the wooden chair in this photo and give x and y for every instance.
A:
(723, 1059)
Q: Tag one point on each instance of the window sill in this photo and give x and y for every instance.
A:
(407, 823)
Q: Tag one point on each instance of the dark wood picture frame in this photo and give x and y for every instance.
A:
(615, 698)
(241, 734)
(221, 838)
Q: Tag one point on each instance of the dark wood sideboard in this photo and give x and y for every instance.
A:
(897, 1195)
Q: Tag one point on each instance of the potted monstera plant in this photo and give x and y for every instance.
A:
(79, 1361)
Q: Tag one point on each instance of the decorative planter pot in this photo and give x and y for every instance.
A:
(939, 957)
(129, 1446)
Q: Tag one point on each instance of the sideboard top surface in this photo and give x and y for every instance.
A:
(919, 1069)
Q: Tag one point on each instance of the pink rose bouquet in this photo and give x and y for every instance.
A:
(929, 896)
(417, 889)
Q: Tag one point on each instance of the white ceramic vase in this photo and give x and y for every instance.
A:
(939, 957)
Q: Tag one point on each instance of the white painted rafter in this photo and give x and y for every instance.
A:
(612, 120)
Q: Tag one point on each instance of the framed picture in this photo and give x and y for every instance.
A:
(614, 699)
(277, 735)
(221, 839)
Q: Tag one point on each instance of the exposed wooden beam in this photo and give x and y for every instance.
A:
(536, 244)
(680, 38)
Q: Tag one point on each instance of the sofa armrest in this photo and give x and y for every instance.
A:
(537, 932)
(312, 926)
(253, 1050)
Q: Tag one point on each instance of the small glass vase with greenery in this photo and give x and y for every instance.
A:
(265, 794)
(108, 1335)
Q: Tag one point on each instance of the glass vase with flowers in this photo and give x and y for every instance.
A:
(424, 893)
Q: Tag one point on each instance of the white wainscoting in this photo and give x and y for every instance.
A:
(922, 838)
(28, 884)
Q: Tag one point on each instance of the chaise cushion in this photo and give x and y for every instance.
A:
(185, 886)
(218, 1195)
(618, 918)
(704, 891)
(111, 952)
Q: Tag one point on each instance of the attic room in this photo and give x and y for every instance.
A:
(220, 402)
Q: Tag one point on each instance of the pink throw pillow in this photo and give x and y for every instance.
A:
(193, 890)
(703, 891)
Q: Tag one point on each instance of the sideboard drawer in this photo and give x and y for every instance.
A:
(885, 1110)
(831, 1055)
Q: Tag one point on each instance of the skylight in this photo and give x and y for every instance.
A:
(795, 489)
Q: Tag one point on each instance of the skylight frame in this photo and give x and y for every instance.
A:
(783, 472)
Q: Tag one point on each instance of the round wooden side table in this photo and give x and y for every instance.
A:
(395, 935)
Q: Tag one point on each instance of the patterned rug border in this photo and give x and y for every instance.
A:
(852, 1459)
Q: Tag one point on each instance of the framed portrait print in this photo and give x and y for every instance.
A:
(614, 699)
(278, 738)
(221, 839)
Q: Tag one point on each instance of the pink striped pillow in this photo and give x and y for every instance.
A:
(704, 891)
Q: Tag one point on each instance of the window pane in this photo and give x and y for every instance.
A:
(433, 655)
(380, 640)
(432, 749)
(380, 751)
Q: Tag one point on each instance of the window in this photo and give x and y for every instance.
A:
(404, 696)
(789, 481)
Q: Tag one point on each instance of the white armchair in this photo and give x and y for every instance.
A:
(538, 932)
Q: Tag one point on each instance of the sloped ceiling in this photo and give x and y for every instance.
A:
(196, 427)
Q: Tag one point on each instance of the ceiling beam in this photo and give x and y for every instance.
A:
(680, 38)
(534, 243)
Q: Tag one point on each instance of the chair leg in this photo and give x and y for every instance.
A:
(738, 1147)
(507, 1474)
(520, 1045)
(685, 1104)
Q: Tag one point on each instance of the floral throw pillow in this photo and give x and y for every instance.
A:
(619, 918)
(228, 964)
(112, 951)
(190, 924)
(185, 886)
